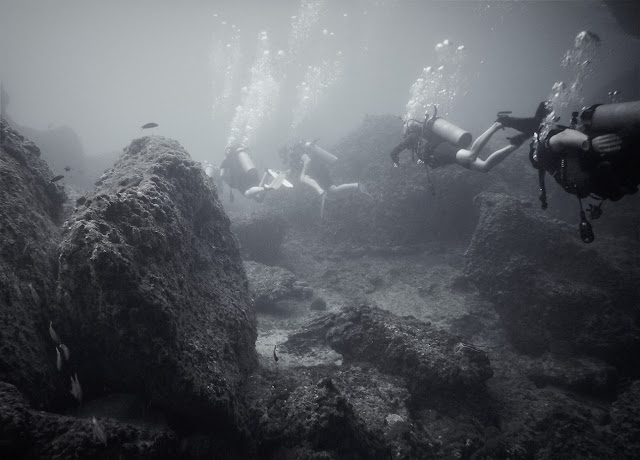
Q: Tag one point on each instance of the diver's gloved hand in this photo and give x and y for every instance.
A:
(396, 160)
(518, 139)
(607, 144)
(503, 117)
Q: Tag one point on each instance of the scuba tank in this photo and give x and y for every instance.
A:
(569, 140)
(623, 116)
(449, 132)
(245, 161)
(320, 154)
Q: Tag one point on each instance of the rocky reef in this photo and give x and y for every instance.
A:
(462, 324)
(144, 285)
(151, 286)
(31, 209)
(554, 292)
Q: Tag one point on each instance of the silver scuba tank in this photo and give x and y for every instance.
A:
(449, 132)
(246, 163)
(320, 153)
(613, 117)
(569, 140)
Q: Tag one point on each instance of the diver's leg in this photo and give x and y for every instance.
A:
(343, 188)
(493, 159)
(253, 192)
(307, 179)
(312, 183)
(464, 156)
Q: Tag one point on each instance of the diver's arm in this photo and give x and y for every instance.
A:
(407, 143)
(568, 140)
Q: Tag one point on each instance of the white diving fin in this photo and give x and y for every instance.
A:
(279, 179)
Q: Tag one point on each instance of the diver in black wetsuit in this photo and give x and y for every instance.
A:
(239, 172)
(436, 142)
(595, 157)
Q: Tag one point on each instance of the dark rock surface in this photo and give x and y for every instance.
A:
(318, 304)
(581, 375)
(30, 211)
(335, 412)
(553, 292)
(270, 287)
(153, 295)
(27, 433)
(429, 358)
(302, 417)
(625, 414)
(260, 236)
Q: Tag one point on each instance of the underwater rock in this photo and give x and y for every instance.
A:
(625, 418)
(331, 412)
(30, 210)
(153, 296)
(260, 236)
(430, 359)
(552, 291)
(27, 433)
(318, 304)
(588, 376)
(269, 286)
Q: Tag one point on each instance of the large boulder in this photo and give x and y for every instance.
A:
(27, 433)
(327, 413)
(430, 359)
(30, 210)
(153, 295)
(274, 288)
(553, 292)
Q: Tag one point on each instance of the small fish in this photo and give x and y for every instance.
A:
(34, 295)
(98, 431)
(65, 351)
(67, 168)
(56, 178)
(76, 389)
(58, 359)
(274, 354)
(53, 334)
(149, 125)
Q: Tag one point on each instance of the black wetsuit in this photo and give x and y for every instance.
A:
(318, 170)
(236, 177)
(434, 153)
(526, 125)
(588, 173)
(442, 155)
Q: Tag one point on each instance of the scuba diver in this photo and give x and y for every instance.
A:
(597, 156)
(310, 164)
(239, 172)
(437, 142)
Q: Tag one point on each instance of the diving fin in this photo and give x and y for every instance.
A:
(278, 181)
